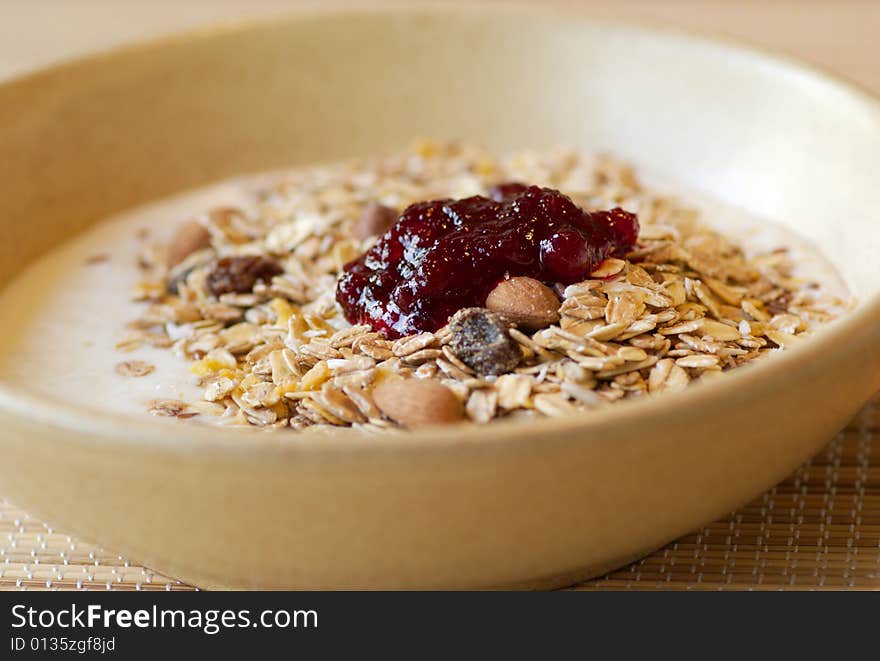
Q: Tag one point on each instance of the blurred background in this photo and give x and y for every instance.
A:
(839, 35)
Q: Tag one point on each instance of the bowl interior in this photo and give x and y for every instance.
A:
(144, 122)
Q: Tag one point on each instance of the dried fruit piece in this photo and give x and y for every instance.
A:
(527, 302)
(188, 238)
(417, 402)
(480, 339)
(374, 220)
(239, 274)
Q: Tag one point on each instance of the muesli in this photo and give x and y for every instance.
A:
(254, 296)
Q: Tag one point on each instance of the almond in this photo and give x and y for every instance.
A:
(188, 238)
(528, 303)
(417, 403)
(374, 220)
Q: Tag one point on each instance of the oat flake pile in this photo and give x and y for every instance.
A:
(247, 296)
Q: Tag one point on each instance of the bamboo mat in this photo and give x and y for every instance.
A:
(818, 530)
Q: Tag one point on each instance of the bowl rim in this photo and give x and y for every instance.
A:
(107, 429)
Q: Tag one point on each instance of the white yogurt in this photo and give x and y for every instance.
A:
(63, 316)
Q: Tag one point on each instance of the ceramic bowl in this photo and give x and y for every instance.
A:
(537, 504)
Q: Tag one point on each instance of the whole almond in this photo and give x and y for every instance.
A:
(188, 238)
(374, 220)
(417, 403)
(528, 303)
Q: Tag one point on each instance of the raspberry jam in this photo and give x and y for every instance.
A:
(445, 255)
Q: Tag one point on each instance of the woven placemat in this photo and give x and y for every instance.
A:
(819, 529)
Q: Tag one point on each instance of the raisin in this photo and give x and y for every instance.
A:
(480, 339)
(239, 274)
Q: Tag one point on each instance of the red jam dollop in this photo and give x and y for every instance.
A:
(445, 255)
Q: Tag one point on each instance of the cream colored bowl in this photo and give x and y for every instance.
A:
(505, 505)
